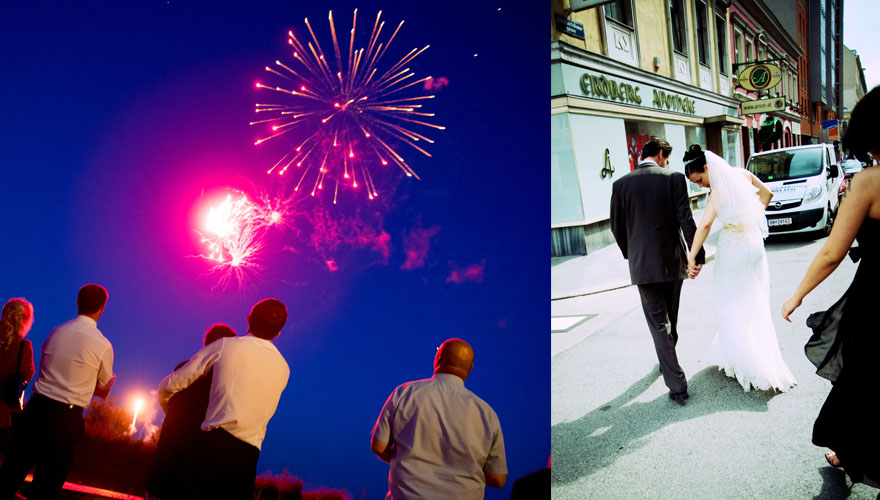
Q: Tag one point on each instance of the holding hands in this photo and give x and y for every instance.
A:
(693, 270)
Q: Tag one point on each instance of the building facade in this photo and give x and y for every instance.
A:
(854, 87)
(760, 37)
(621, 73)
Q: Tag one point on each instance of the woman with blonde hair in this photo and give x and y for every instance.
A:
(16, 355)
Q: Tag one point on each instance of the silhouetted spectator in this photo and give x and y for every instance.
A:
(184, 415)
(76, 363)
(441, 440)
(248, 379)
(16, 358)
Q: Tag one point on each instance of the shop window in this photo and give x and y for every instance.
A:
(620, 11)
(637, 135)
(695, 135)
(565, 193)
(702, 33)
(721, 36)
(679, 29)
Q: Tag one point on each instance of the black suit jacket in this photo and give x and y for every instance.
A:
(649, 212)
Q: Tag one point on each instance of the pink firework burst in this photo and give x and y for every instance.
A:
(234, 229)
(343, 120)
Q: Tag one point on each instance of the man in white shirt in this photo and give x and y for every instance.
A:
(441, 440)
(76, 363)
(248, 379)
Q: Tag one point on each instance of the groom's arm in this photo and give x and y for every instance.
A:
(618, 220)
(684, 215)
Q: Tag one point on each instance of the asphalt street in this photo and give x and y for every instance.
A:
(617, 435)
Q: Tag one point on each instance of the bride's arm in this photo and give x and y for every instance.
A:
(702, 231)
(852, 212)
(763, 191)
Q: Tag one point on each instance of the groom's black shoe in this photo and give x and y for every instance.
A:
(679, 397)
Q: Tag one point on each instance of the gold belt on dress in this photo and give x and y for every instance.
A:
(734, 227)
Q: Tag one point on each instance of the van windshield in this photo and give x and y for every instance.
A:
(792, 164)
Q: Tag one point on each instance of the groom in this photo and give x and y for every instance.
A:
(649, 212)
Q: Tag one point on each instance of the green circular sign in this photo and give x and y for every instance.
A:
(760, 77)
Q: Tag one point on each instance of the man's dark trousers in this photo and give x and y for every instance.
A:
(660, 303)
(220, 467)
(45, 436)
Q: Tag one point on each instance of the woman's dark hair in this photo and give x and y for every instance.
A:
(217, 332)
(861, 137)
(694, 159)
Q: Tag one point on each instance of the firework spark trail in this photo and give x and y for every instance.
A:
(345, 119)
(234, 230)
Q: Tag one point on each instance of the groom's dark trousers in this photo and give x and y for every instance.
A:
(651, 220)
(660, 303)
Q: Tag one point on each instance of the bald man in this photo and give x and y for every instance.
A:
(441, 440)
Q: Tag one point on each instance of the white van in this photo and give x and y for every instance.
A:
(805, 182)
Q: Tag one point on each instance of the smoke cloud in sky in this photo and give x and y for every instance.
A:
(469, 274)
(416, 245)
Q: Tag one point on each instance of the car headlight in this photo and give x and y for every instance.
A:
(813, 193)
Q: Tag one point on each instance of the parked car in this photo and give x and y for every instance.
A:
(851, 167)
(805, 182)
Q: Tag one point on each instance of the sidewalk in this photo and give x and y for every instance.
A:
(587, 293)
(603, 270)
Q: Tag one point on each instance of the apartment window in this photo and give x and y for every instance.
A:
(721, 35)
(737, 46)
(679, 30)
(749, 54)
(702, 32)
(620, 11)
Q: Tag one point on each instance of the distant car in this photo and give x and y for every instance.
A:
(851, 167)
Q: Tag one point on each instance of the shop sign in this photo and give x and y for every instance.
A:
(760, 77)
(673, 102)
(763, 106)
(600, 86)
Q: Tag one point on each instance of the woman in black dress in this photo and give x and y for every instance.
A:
(845, 342)
(16, 356)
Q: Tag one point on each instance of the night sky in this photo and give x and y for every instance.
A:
(119, 124)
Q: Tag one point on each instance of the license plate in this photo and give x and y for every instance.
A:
(780, 222)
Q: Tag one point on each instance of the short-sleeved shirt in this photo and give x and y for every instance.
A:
(249, 376)
(76, 357)
(445, 438)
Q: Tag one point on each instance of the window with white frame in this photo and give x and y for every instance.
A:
(679, 27)
(749, 54)
(620, 11)
(702, 32)
(721, 39)
(737, 46)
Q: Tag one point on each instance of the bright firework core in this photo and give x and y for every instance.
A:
(342, 121)
(233, 231)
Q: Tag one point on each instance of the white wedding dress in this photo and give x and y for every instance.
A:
(745, 347)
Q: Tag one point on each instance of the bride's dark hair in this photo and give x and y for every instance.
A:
(695, 160)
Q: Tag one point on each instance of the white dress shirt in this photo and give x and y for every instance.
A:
(249, 376)
(76, 357)
(445, 438)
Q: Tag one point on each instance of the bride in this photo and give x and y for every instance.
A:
(745, 346)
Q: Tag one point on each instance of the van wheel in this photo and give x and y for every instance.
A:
(829, 221)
